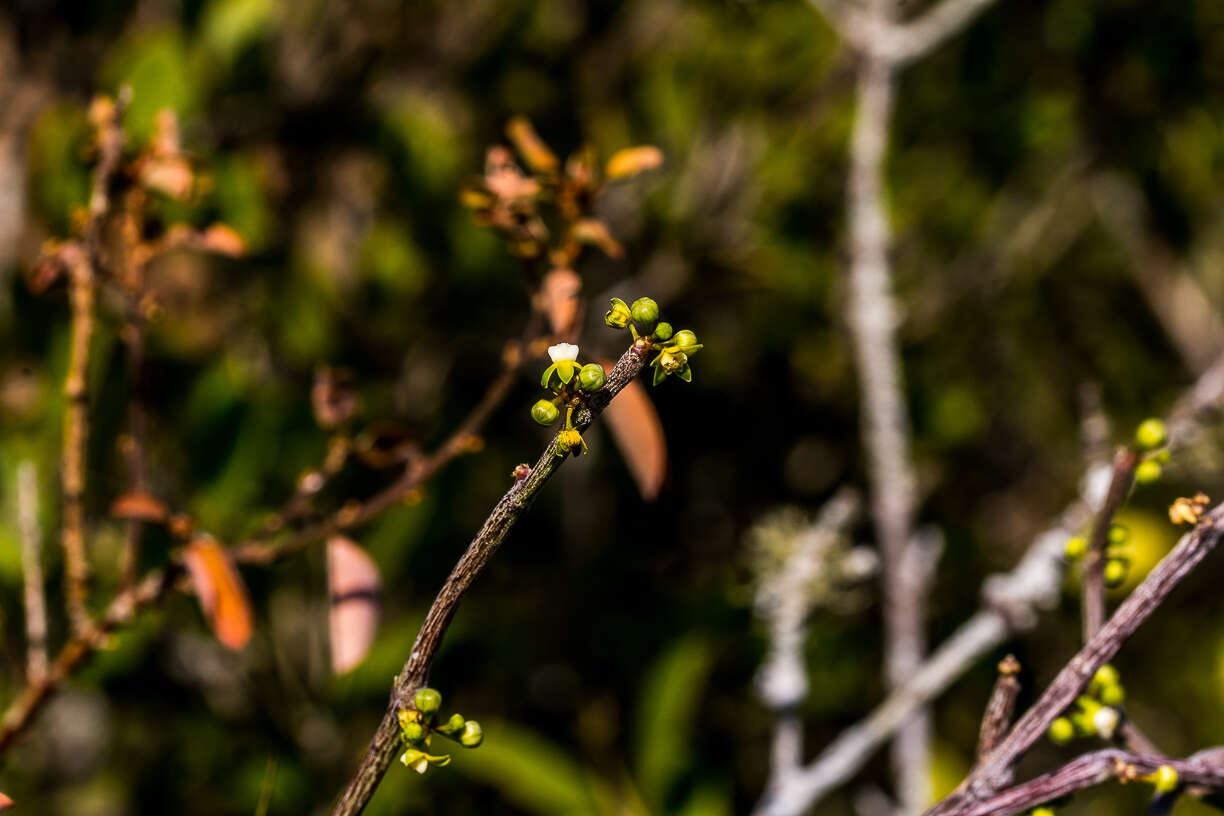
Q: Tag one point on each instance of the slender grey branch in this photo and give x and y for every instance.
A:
(1011, 603)
(1121, 480)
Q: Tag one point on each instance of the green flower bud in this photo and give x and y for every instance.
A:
(1061, 731)
(1115, 572)
(1042, 811)
(427, 700)
(686, 340)
(1162, 456)
(619, 315)
(1151, 434)
(1148, 471)
(472, 734)
(1118, 534)
(1165, 779)
(1076, 547)
(662, 332)
(412, 732)
(452, 726)
(645, 314)
(592, 377)
(544, 412)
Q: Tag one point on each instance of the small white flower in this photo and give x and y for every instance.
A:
(1105, 721)
(563, 351)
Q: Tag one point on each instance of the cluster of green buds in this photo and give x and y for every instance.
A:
(571, 383)
(675, 347)
(1151, 437)
(1117, 554)
(1094, 713)
(417, 727)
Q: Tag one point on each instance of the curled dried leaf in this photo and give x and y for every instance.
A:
(633, 160)
(139, 506)
(530, 146)
(222, 594)
(354, 592)
(593, 231)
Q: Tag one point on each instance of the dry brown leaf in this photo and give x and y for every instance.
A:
(594, 231)
(6, 803)
(170, 175)
(354, 592)
(559, 300)
(530, 146)
(222, 593)
(139, 506)
(223, 240)
(638, 433)
(633, 160)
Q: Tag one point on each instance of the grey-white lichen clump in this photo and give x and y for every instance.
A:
(799, 565)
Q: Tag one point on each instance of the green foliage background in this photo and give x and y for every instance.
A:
(607, 650)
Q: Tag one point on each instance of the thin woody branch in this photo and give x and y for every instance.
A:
(34, 596)
(1120, 483)
(82, 266)
(999, 710)
(998, 769)
(505, 514)
(1011, 603)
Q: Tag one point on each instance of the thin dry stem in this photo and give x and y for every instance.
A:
(34, 596)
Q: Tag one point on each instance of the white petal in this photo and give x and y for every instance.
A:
(1105, 721)
(563, 351)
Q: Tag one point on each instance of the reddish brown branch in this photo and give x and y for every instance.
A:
(385, 742)
(998, 715)
(996, 772)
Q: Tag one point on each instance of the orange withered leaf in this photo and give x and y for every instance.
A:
(139, 506)
(530, 146)
(222, 594)
(633, 160)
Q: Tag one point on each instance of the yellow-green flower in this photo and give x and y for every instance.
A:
(618, 316)
(570, 440)
(674, 357)
(420, 761)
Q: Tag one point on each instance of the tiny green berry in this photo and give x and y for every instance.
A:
(1115, 572)
(427, 700)
(1105, 676)
(472, 734)
(1061, 731)
(1165, 779)
(1042, 811)
(662, 332)
(1118, 534)
(1076, 547)
(1114, 695)
(413, 732)
(645, 314)
(1151, 434)
(544, 412)
(591, 377)
(1149, 471)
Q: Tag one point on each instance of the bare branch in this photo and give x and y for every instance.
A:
(997, 771)
(1120, 483)
(917, 38)
(518, 499)
(998, 715)
(31, 571)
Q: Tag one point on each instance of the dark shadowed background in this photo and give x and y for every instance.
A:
(1056, 175)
